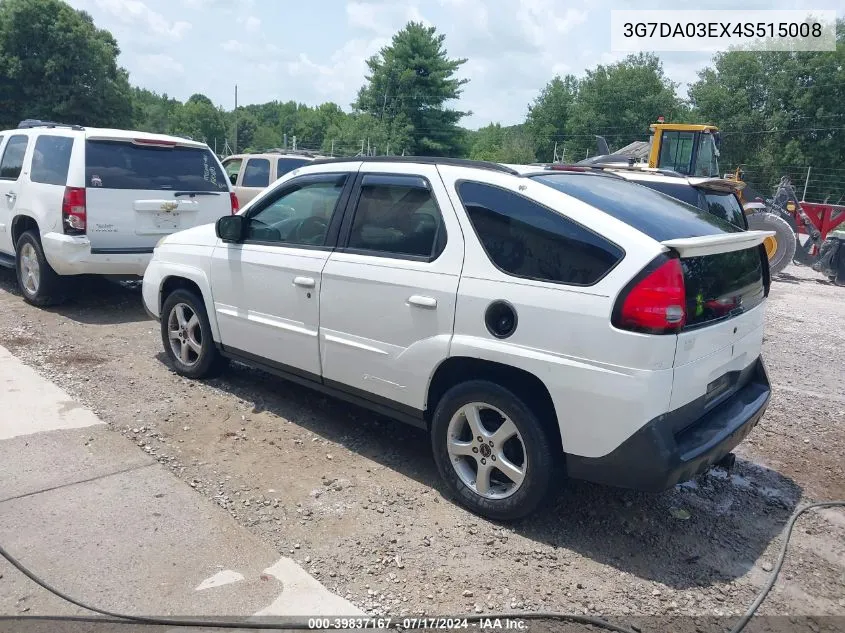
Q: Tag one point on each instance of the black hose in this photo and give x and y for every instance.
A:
(294, 623)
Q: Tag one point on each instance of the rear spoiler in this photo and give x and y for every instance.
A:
(715, 244)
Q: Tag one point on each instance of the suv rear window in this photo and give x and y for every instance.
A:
(657, 215)
(122, 165)
(723, 285)
(722, 205)
(51, 159)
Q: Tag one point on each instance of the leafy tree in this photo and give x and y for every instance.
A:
(200, 119)
(55, 64)
(411, 80)
(153, 112)
(619, 101)
(549, 114)
(503, 145)
(779, 112)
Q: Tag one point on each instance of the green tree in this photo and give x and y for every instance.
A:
(619, 101)
(503, 145)
(549, 114)
(200, 119)
(779, 112)
(411, 80)
(56, 64)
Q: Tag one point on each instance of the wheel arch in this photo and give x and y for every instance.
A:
(522, 383)
(22, 223)
(194, 280)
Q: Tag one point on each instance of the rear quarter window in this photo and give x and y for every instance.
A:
(285, 165)
(659, 216)
(525, 239)
(51, 159)
(122, 165)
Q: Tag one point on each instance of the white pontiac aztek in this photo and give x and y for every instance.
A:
(539, 323)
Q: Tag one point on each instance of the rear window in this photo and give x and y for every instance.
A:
(657, 215)
(289, 164)
(723, 285)
(51, 159)
(121, 165)
(725, 206)
(680, 190)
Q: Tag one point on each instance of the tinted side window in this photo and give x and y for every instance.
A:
(397, 215)
(51, 159)
(299, 213)
(525, 239)
(257, 173)
(289, 164)
(12, 163)
(727, 207)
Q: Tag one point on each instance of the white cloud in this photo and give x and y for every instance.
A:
(251, 23)
(155, 64)
(137, 12)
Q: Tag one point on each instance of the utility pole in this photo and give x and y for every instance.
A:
(554, 156)
(235, 113)
(806, 182)
(294, 143)
(331, 153)
(387, 152)
(285, 141)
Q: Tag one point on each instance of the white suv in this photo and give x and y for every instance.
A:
(77, 200)
(539, 323)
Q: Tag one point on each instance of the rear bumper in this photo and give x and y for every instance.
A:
(72, 255)
(681, 444)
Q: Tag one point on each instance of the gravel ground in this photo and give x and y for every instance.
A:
(356, 499)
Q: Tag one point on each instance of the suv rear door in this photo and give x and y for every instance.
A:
(139, 189)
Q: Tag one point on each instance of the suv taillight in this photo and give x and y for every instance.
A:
(654, 301)
(236, 205)
(74, 216)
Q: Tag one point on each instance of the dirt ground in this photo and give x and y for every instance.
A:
(356, 499)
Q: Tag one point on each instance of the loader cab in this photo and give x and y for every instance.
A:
(692, 150)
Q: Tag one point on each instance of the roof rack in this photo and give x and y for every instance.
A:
(32, 123)
(426, 160)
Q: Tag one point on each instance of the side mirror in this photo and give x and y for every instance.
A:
(233, 178)
(231, 228)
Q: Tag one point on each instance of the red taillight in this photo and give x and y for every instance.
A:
(74, 215)
(654, 303)
(236, 205)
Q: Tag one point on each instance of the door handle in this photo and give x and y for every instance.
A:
(11, 195)
(422, 302)
(304, 282)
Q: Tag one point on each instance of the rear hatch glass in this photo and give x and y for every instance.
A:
(718, 286)
(722, 285)
(122, 165)
(659, 216)
(137, 191)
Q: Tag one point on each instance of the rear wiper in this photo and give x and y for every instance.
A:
(196, 193)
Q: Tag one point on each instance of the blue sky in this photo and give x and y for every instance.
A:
(314, 51)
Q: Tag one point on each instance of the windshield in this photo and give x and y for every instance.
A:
(122, 165)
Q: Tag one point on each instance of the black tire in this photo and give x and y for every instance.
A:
(41, 287)
(539, 467)
(208, 362)
(785, 236)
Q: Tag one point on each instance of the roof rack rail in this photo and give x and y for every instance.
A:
(32, 123)
(426, 160)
